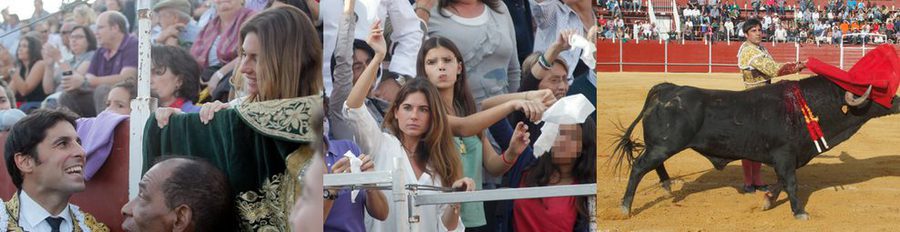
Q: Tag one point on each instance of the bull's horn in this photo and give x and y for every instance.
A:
(854, 101)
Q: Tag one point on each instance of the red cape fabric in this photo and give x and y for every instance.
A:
(879, 68)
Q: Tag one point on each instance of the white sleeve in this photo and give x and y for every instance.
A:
(406, 36)
(365, 130)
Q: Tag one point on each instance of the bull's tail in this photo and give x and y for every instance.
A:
(626, 148)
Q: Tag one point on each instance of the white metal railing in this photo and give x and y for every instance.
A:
(143, 104)
(862, 49)
(406, 198)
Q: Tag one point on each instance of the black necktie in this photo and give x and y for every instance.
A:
(54, 223)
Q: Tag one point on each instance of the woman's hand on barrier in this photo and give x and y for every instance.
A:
(208, 110)
(464, 184)
(163, 114)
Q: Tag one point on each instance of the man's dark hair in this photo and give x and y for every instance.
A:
(749, 24)
(118, 19)
(357, 44)
(202, 187)
(26, 134)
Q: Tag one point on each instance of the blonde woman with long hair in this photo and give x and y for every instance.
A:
(272, 67)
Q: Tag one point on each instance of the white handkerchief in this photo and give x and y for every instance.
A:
(573, 109)
(355, 163)
(587, 48)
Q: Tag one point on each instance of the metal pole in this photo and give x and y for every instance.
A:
(401, 208)
(620, 57)
(666, 57)
(797, 54)
(143, 104)
(842, 52)
(709, 58)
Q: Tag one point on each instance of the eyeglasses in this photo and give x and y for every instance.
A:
(76, 37)
(65, 32)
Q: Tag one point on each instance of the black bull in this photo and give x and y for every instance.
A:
(756, 124)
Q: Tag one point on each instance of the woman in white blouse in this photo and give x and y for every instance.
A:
(420, 137)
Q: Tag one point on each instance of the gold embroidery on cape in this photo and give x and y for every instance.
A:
(12, 209)
(269, 208)
(284, 118)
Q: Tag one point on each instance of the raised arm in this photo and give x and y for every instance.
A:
(475, 123)
(544, 96)
(561, 44)
(361, 88)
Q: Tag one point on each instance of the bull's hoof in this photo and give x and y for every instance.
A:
(768, 201)
(667, 185)
(801, 216)
(625, 210)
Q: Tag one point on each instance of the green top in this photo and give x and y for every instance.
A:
(470, 150)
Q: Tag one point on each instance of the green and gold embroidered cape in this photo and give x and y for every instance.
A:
(262, 147)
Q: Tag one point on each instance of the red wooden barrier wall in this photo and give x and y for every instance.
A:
(694, 56)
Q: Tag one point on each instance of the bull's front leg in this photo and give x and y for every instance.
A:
(786, 171)
(649, 161)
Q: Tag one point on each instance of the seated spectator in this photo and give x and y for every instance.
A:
(115, 61)
(83, 15)
(175, 78)
(180, 193)
(26, 79)
(216, 47)
(178, 28)
(83, 45)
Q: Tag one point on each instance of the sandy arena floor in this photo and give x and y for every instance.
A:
(853, 187)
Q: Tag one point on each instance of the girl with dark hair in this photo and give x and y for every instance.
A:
(441, 63)
(26, 78)
(570, 161)
(419, 136)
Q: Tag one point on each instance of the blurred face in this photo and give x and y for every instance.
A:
(249, 62)
(113, 5)
(567, 145)
(78, 42)
(387, 90)
(360, 60)
(119, 101)
(148, 211)
(227, 5)
(413, 115)
(43, 30)
(167, 17)
(66, 32)
(22, 52)
(441, 67)
(754, 35)
(164, 83)
(105, 32)
(4, 102)
(556, 82)
(59, 162)
(307, 212)
(5, 57)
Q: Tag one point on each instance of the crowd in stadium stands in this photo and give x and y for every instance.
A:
(713, 20)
